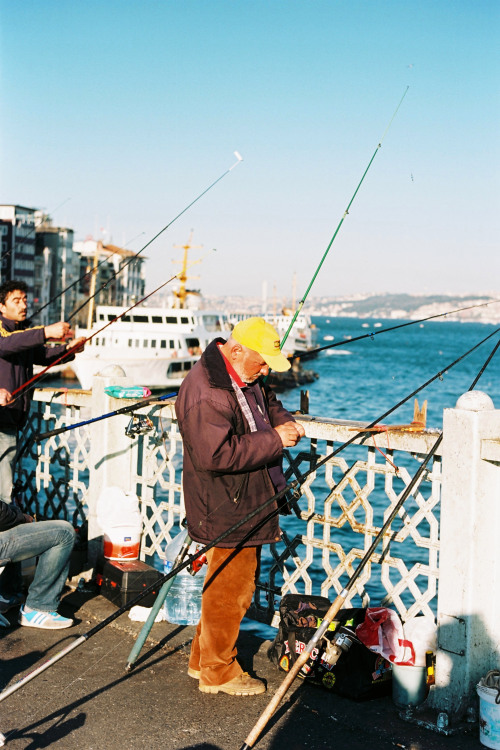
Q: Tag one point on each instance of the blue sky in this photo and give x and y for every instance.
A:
(130, 109)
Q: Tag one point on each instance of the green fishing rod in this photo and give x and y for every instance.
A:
(302, 301)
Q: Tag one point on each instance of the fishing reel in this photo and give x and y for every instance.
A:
(138, 425)
(341, 643)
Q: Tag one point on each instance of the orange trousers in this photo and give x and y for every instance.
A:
(227, 594)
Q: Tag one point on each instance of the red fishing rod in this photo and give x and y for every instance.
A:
(79, 345)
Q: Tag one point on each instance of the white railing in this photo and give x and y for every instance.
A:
(343, 505)
(447, 531)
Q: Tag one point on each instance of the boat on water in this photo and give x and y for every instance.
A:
(156, 347)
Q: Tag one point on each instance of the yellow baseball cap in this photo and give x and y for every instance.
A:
(261, 337)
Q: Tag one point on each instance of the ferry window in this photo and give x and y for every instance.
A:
(130, 342)
(140, 318)
(163, 344)
(170, 319)
(126, 318)
(157, 319)
(184, 320)
(110, 317)
(210, 322)
(97, 342)
(101, 316)
(137, 343)
(172, 344)
(145, 344)
(174, 367)
(192, 343)
(153, 343)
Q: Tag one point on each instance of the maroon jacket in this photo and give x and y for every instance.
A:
(225, 475)
(20, 349)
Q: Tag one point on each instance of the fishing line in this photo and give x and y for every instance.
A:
(239, 159)
(76, 348)
(292, 486)
(87, 273)
(346, 212)
(372, 334)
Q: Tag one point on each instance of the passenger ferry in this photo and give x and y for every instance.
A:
(155, 346)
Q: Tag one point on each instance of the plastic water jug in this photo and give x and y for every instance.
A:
(120, 519)
(183, 602)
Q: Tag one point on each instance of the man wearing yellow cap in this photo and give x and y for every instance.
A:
(234, 431)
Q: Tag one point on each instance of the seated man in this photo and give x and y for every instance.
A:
(50, 541)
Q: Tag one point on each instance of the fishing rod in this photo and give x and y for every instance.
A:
(239, 159)
(339, 601)
(82, 277)
(346, 212)
(292, 487)
(78, 346)
(123, 410)
(372, 334)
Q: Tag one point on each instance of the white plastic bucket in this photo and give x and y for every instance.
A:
(122, 543)
(120, 519)
(489, 717)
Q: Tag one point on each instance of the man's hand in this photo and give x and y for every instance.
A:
(59, 330)
(290, 433)
(76, 345)
(5, 397)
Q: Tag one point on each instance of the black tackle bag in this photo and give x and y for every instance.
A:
(359, 673)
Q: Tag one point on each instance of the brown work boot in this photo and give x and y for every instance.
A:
(241, 685)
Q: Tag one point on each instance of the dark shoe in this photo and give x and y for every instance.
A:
(241, 685)
(10, 600)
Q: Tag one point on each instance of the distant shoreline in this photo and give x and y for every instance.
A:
(483, 308)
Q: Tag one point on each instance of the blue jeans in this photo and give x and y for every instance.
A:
(50, 541)
(8, 447)
(11, 580)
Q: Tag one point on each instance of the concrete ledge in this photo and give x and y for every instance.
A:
(490, 449)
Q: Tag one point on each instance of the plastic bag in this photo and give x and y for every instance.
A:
(421, 632)
(131, 391)
(382, 632)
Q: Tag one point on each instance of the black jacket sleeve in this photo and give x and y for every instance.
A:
(10, 516)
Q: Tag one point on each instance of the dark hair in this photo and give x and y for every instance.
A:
(11, 286)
